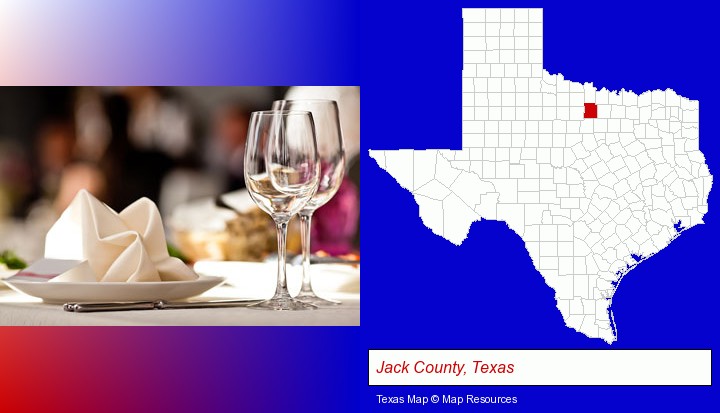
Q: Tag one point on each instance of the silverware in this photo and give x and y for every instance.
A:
(89, 307)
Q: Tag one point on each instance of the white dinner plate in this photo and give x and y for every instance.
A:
(258, 279)
(64, 292)
(5, 274)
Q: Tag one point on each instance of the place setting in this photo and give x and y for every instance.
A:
(99, 260)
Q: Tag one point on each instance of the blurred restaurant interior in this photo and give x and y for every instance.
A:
(179, 146)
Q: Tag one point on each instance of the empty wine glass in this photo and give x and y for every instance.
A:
(331, 154)
(281, 174)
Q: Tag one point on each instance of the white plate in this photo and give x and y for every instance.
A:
(258, 279)
(63, 292)
(4, 274)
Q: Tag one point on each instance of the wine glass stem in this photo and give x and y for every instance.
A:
(305, 221)
(281, 289)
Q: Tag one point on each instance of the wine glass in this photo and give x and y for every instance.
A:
(281, 174)
(331, 154)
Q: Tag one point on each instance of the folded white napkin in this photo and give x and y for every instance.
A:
(125, 247)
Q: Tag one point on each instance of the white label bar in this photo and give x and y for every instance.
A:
(540, 367)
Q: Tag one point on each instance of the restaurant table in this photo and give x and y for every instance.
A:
(18, 309)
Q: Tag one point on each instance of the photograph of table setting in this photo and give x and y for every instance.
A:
(180, 206)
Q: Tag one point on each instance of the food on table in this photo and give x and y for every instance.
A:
(174, 251)
(199, 245)
(9, 260)
(349, 257)
(251, 236)
(203, 231)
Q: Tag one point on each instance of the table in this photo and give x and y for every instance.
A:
(20, 310)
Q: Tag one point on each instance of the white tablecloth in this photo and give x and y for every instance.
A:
(20, 310)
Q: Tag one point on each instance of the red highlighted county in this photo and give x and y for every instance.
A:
(590, 110)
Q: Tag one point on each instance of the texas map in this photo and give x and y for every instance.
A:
(593, 181)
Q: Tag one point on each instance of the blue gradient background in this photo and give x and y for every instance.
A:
(485, 294)
(178, 42)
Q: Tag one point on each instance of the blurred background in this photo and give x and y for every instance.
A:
(179, 146)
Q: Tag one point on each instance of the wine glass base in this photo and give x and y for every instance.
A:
(313, 299)
(282, 304)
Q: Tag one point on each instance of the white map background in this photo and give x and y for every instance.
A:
(590, 198)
